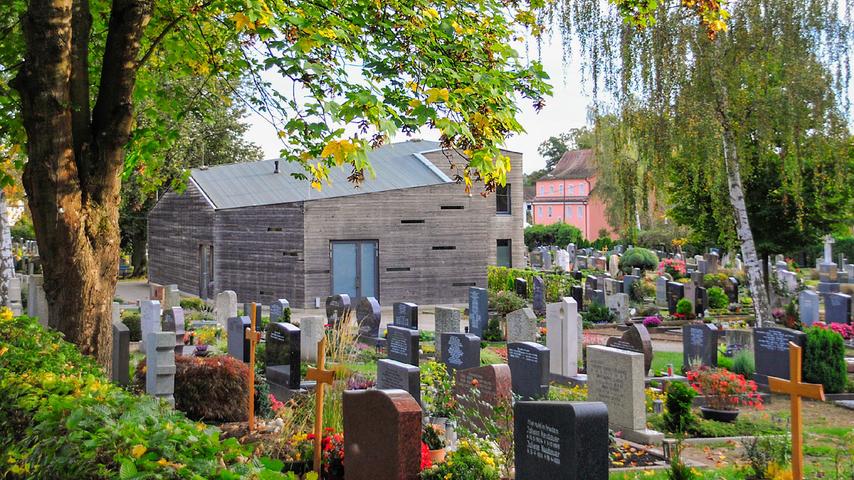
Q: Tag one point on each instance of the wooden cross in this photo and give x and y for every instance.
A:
(322, 377)
(254, 336)
(795, 389)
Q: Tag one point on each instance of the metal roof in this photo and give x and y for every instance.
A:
(397, 166)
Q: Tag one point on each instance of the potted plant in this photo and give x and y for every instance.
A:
(724, 391)
(434, 437)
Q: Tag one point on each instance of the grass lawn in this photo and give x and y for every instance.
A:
(661, 359)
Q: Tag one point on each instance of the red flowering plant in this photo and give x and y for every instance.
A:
(300, 448)
(724, 390)
(425, 456)
(675, 267)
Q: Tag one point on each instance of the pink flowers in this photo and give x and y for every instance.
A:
(275, 405)
(847, 331)
(652, 321)
(676, 268)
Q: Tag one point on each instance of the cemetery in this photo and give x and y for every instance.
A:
(426, 240)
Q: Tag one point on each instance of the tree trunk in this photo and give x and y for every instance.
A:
(7, 261)
(74, 158)
(745, 235)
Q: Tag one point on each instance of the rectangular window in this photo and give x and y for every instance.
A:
(551, 189)
(572, 189)
(568, 212)
(542, 190)
(581, 189)
(503, 257)
(580, 213)
(560, 188)
(502, 199)
(550, 211)
(539, 211)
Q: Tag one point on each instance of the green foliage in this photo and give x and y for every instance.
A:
(467, 461)
(711, 280)
(684, 307)
(433, 436)
(638, 257)
(132, 319)
(553, 148)
(661, 235)
(678, 417)
(493, 332)
(60, 417)
(437, 390)
(194, 303)
(717, 298)
(23, 228)
(824, 360)
(743, 363)
(559, 233)
(503, 278)
(505, 302)
(598, 313)
(764, 452)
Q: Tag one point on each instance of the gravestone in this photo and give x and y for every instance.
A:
(460, 351)
(837, 308)
(562, 260)
(563, 337)
(731, 289)
(478, 310)
(383, 435)
(539, 300)
(698, 279)
(283, 358)
(629, 285)
(402, 345)
(171, 297)
(280, 311)
(116, 312)
(368, 316)
(675, 292)
(225, 307)
(546, 260)
(699, 342)
(521, 326)
(311, 330)
(690, 292)
(614, 265)
(337, 308)
(611, 287)
(661, 291)
(247, 311)
(771, 351)
(173, 321)
(521, 287)
(447, 320)
(808, 303)
(160, 365)
(616, 377)
(394, 375)
(536, 257)
(598, 297)
(577, 294)
(120, 366)
(238, 345)
(529, 366)
(406, 315)
(561, 440)
(619, 305)
(15, 296)
(149, 319)
(712, 260)
(37, 300)
(493, 384)
(702, 301)
(635, 339)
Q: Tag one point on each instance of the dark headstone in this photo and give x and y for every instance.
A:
(565, 440)
(699, 342)
(368, 316)
(675, 292)
(731, 289)
(771, 351)
(383, 437)
(460, 351)
(702, 300)
(406, 315)
(280, 311)
(521, 287)
(577, 293)
(635, 339)
(577, 275)
(337, 307)
(628, 284)
(238, 345)
(247, 311)
(283, 351)
(837, 308)
(394, 375)
(478, 310)
(121, 354)
(529, 364)
(539, 301)
(402, 344)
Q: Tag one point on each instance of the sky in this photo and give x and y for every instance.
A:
(565, 109)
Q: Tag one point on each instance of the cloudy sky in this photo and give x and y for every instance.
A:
(566, 109)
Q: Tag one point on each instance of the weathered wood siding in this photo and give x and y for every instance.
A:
(258, 252)
(177, 226)
(430, 250)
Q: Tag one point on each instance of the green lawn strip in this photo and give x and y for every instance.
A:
(661, 359)
(725, 473)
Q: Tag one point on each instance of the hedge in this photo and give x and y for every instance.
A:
(503, 278)
(61, 418)
(824, 360)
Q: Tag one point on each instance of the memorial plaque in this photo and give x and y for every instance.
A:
(280, 311)
(238, 345)
(120, 373)
(394, 375)
(771, 351)
(521, 287)
(675, 292)
(402, 344)
(539, 301)
(283, 355)
(406, 315)
(564, 337)
(808, 304)
(493, 384)
(577, 293)
(337, 308)
(447, 320)
(460, 351)
(478, 310)
(521, 326)
(837, 308)
(661, 291)
(529, 365)
(699, 345)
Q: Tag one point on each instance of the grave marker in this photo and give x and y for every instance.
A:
(635, 339)
(521, 326)
(368, 317)
(238, 345)
(478, 310)
(225, 307)
(311, 330)
(675, 292)
(160, 365)
(402, 345)
(661, 291)
(460, 351)
(808, 303)
(771, 351)
(149, 317)
(539, 301)
(837, 308)
(283, 356)
(280, 311)
(173, 321)
(529, 365)
(521, 287)
(406, 315)
(120, 366)
(563, 337)
(447, 320)
(254, 336)
(337, 308)
(699, 342)
(493, 384)
(394, 375)
(322, 377)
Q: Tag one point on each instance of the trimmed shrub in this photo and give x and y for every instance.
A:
(60, 417)
(715, 280)
(641, 258)
(193, 303)
(743, 363)
(678, 417)
(684, 307)
(503, 279)
(209, 388)
(717, 298)
(598, 313)
(132, 319)
(555, 234)
(505, 302)
(824, 360)
(493, 331)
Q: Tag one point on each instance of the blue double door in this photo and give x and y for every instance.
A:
(355, 268)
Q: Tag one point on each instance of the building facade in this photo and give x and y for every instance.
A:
(566, 195)
(409, 234)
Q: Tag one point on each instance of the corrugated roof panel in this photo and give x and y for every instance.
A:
(236, 185)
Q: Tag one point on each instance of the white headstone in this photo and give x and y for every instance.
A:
(521, 326)
(225, 307)
(171, 297)
(563, 330)
(149, 319)
(311, 331)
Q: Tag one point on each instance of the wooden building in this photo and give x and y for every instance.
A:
(409, 234)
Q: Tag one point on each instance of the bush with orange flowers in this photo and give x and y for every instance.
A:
(724, 390)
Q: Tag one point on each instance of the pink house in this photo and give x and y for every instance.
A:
(564, 195)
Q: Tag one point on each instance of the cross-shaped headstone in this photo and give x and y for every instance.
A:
(254, 336)
(796, 390)
(321, 376)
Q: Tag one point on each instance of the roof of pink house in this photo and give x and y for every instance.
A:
(575, 164)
